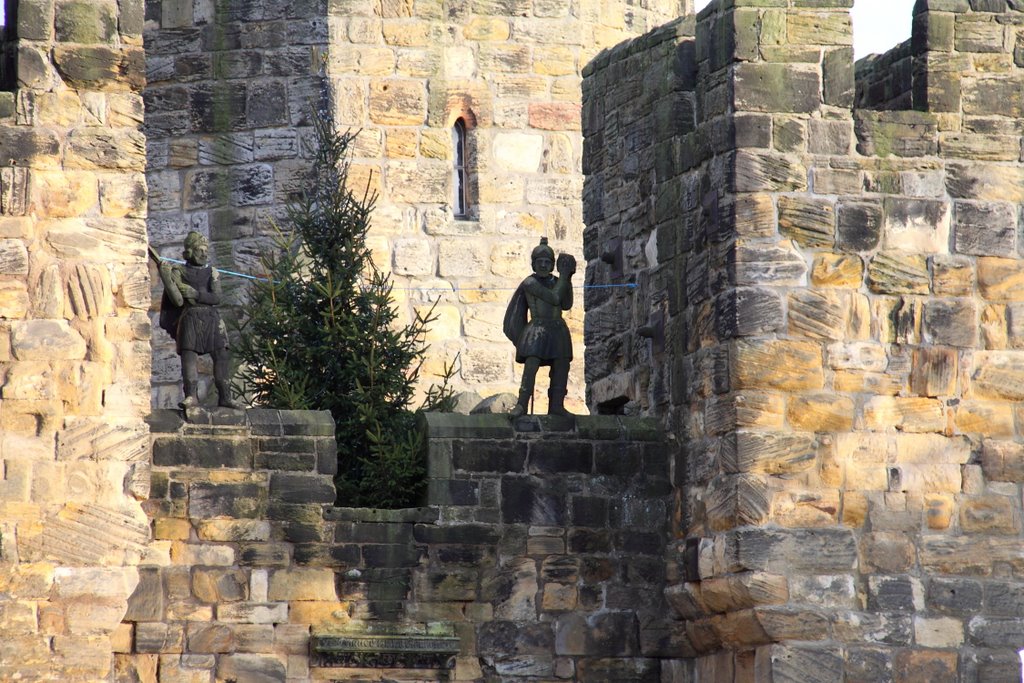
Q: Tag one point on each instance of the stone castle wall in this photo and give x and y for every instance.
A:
(841, 363)
(540, 554)
(226, 104)
(74, 335)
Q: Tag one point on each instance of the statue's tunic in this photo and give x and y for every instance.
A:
(196, 326)
(545, 336)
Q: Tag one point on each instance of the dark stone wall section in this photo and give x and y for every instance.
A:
(541, 549)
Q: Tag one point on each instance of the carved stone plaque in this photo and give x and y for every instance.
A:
(385, 651)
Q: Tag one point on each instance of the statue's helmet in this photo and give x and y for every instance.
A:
(194, 239)
(542, 250)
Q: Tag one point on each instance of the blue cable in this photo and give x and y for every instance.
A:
(628, 285)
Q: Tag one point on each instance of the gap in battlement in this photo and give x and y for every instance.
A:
(880, 25)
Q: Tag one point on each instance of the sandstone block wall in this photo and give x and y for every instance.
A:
(226, 99)
(403, 74)
(74, 335)
(836, 288)
(540, 551)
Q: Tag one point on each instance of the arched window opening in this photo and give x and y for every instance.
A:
(460, 173)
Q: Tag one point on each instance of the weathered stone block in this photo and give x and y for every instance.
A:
(243, 499)
(101, 67)
(801, 664)
(952, 276)
(981, 181)
(837, 270)
(46, 340)
(608, 634)
(301, 488)
(934, 372)
(891, 272)
(920, 225)
(809, 222)
(988, 515)
(147, 601)
(737, 500)
(998, 375)
(532, 501)
(778, 265)
(985, 229)
(775, 364)
(820, 413)
(925, 665)
(858, 225)
(819, 551)
(818, 314)
(397, 102)
(756, 172)
(1002, 460)
(251, 667)
(176, 451)
(488, 456)
(754, 215)
(748, 311)
(82, 22)
(895, 593)
(951, 322)
(776, 88)
(210, 638)
(768, 453)
(902, 133)
(954, 595)
(302, 583)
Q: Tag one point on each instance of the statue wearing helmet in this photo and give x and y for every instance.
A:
(544, 339)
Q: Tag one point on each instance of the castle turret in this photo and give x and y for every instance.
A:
(835, 288)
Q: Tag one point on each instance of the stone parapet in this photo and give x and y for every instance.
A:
(540, 554)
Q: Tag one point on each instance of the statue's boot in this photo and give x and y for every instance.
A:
(556, 403)
(224, 399)
(191, 394)
(521, 406)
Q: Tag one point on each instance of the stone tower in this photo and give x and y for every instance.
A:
(229, 87)
(74, 335)
(833, 254)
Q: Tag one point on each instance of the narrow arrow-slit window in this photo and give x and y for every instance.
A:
(8, 44)
(460, 175)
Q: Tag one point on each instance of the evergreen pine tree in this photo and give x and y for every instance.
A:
(320, 333)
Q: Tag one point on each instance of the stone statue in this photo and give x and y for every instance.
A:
(544, 340)
(188, 312)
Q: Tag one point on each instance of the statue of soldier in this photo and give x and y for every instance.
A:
(188, 312)
(544, 340)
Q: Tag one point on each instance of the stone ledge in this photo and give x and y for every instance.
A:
(260, 421)
(588, 427)
(343, 514)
